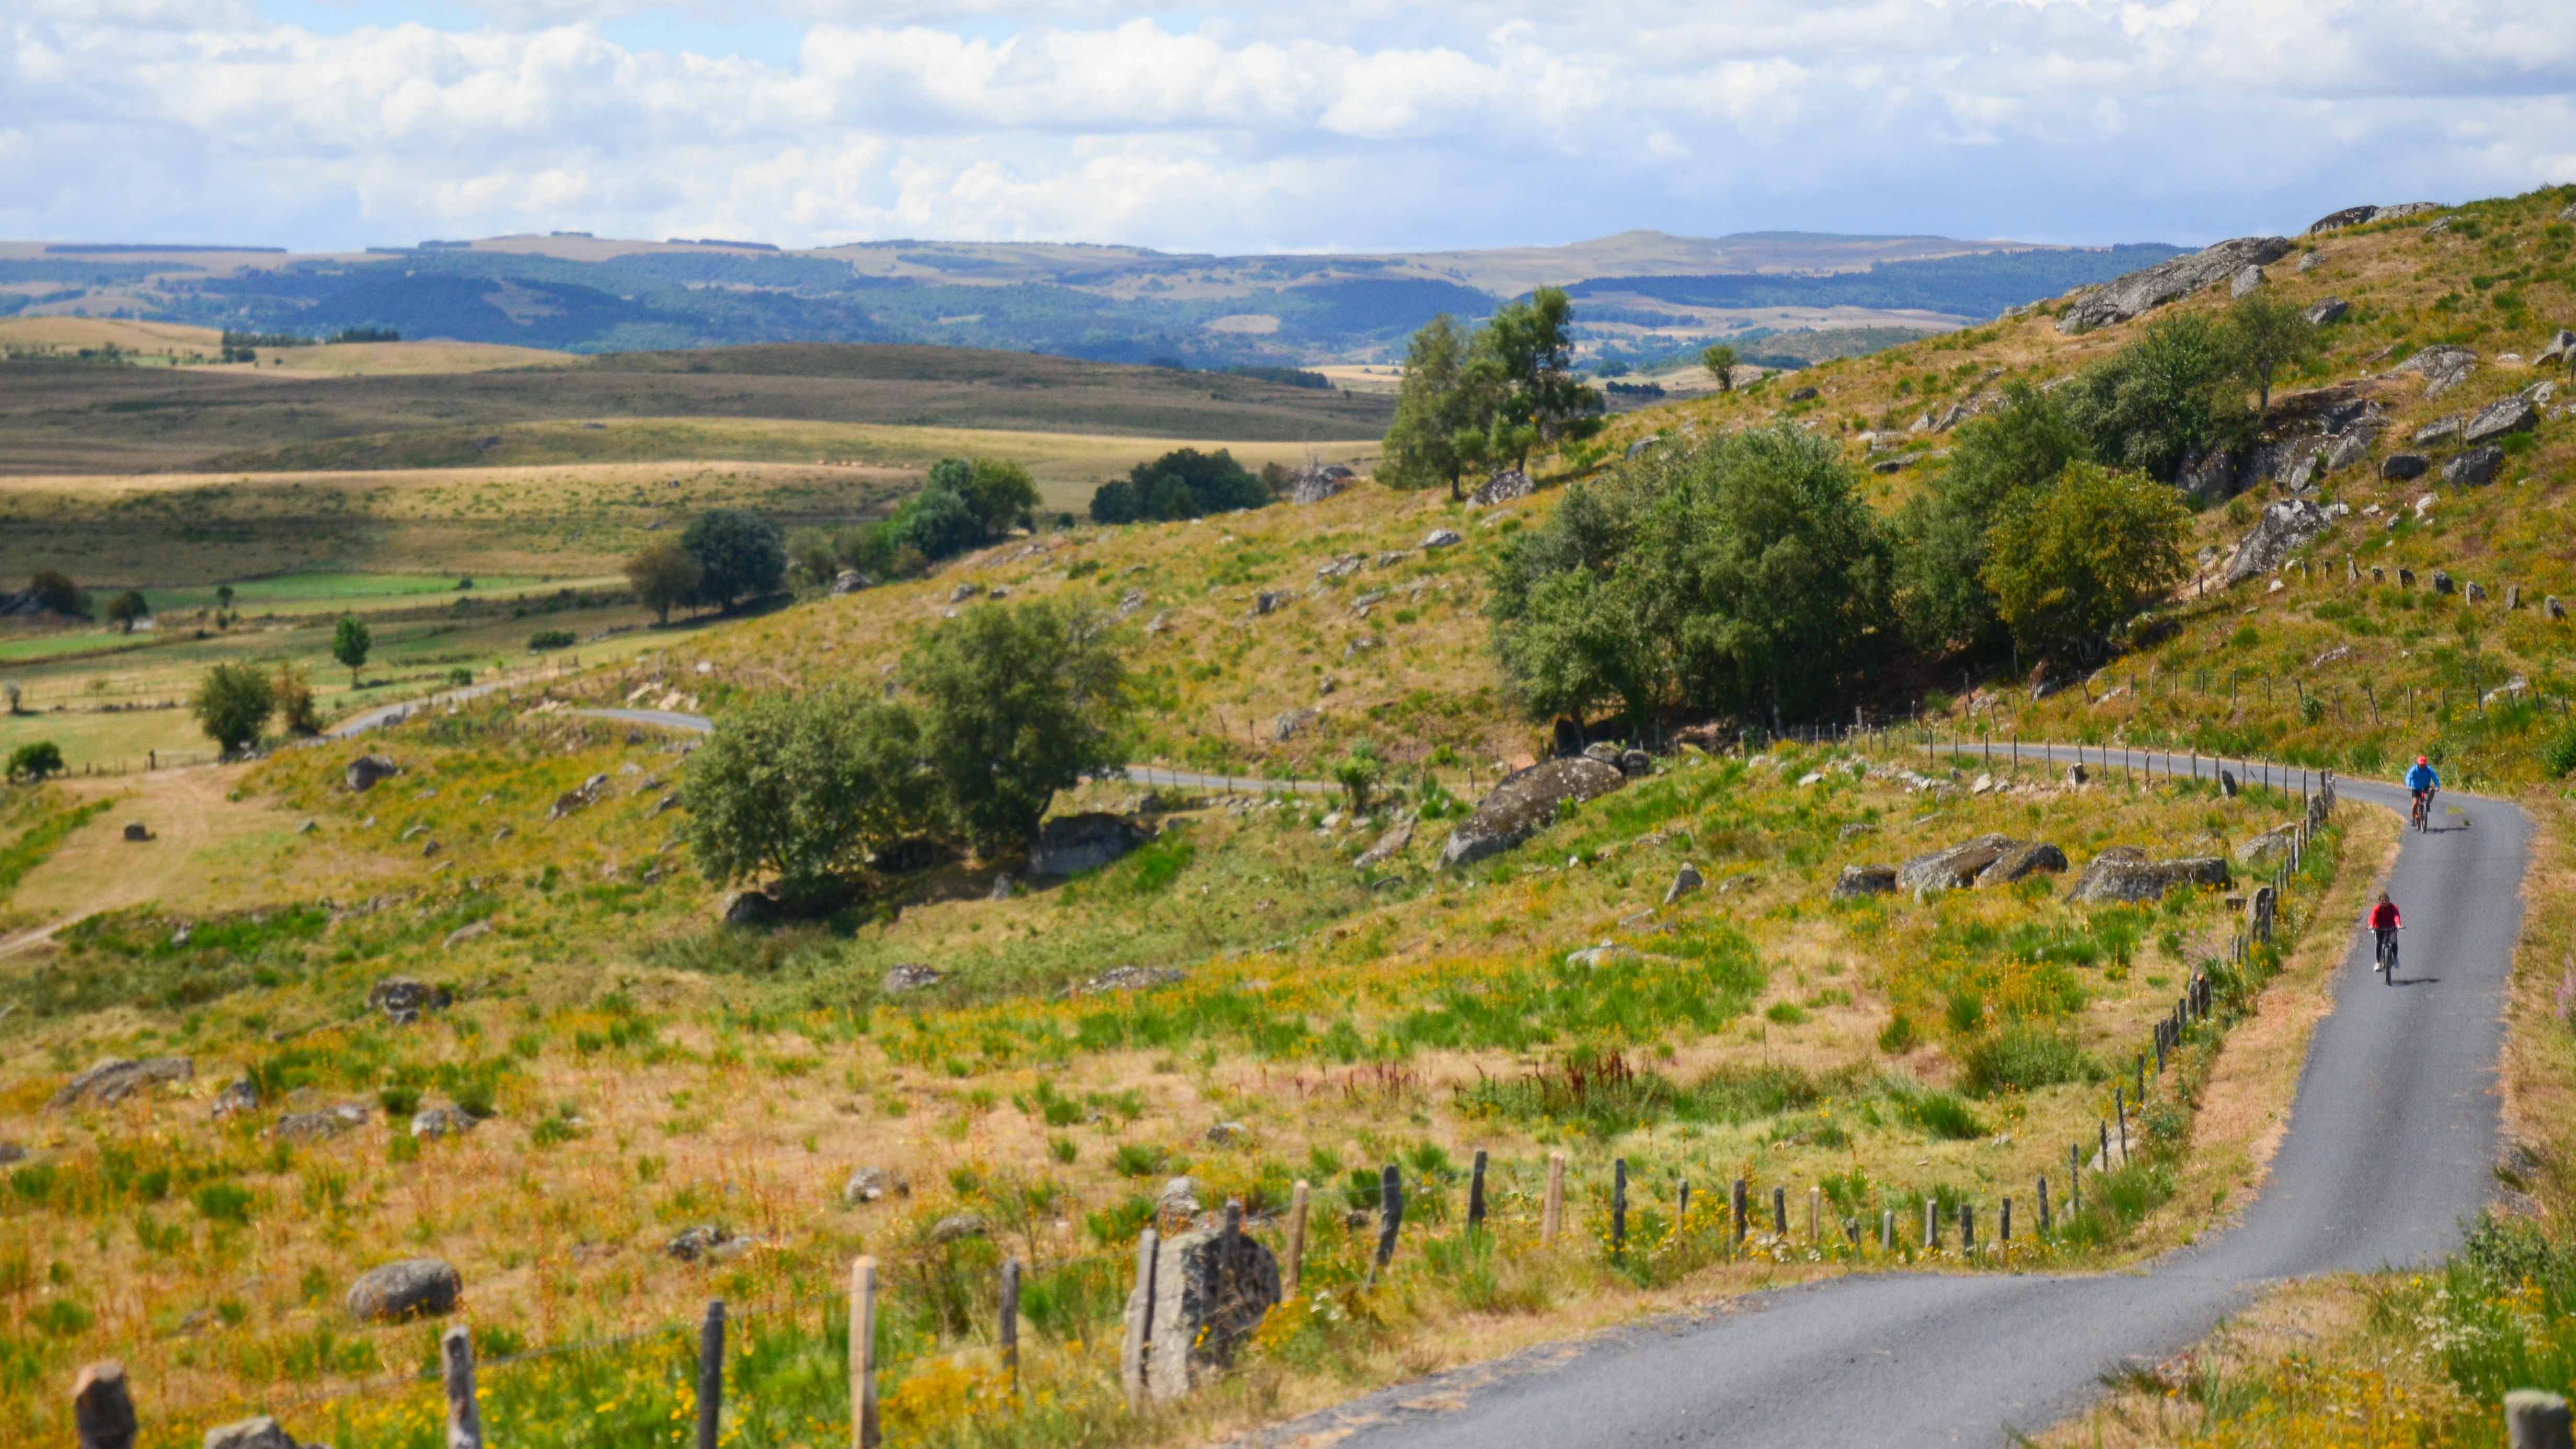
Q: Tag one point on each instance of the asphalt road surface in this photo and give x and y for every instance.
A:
(2390, 1146)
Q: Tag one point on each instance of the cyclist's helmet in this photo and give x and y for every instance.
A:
(2419, 759)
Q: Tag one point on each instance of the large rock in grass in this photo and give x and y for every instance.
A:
(1503, 487)
(2124, 874)
(1526, 802)
(260, 1433)
(2287, 525)
(2442, 367)
(412, 1288)
(1078, 844)
(2269, 848)
(2122, 298)
(2036, 857)
(366, 771)
(114, 1080)
(1865, 880)
(1209, 1292)
(1955, 867)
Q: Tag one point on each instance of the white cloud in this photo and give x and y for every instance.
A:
(1337, 121)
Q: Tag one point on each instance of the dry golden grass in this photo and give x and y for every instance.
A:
(70, 334)
(389, 359)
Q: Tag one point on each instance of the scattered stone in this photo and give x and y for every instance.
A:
(869, 1184)
(2472, 592)
(1179, 1198)
(117, 1078)
(260, 1433)
(434, 1123)
(2124, 874)
(908, 976)
(2497, 419)
(2401, 467)
(403, 999)
(702, 1241)
(1955, 866)
(1524, 803)
(2439, 430)
(2077, 775)
(1005, 886)
(1641, 447)
(2269, 848)
(1864, 880)
(748, 908)
(1128, 978)
(2442, 367)
(1271, 601)
(1211, 1289)
(2474, 468)
(1078, 844)
(1503, 487)
(1439, 538)
(319, 1126)
(1315, 484)
(2125, 297)
(2022, 862)
(572, 800)
(2561, 349)
(2328, 312)
(1227, 1134)
(848, 581)
(1394, 842)
(2441, 582)
(957, 1227)
(1685, 880)
(410, 1288)
(2551, 606)
(366, 770)
(963, 592)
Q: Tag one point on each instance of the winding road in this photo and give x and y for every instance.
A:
(2390, 1146)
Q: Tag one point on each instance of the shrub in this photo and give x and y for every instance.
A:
(1945, 1116)
(1017, 704)
(33, 761)
(545, 639)
(232, 705)
(805, 786)
(1898, 1037)
(2558, 754)
(2023, 1057)
(350, 641)
(296, 707)
(663, 576)
(739, 555)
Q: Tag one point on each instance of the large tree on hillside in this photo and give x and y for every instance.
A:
(2001, 461)
(1016, 704)
(1528, 344)
(739, 555)
(804, 787)
(2161, 400)
(1441, 409)
(232, 705)
(1721, 362)
(1742, 574)
(664, 576)
(2086, 555)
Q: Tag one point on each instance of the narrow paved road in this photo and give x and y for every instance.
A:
(2391, 1144)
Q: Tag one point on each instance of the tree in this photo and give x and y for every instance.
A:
(2085, 557)
(2159, 402)
(55, 592)
(350, 642)
(1358, 774)
(33, 761)
(1441, 404)
(804, 787)
(2264, 335)
(1721, 362)
(1743, 574)
(2001, 460)
(224, 596)
(810, 552)
(663, 575)
(1002, 496)
(297, 709)
(13, 689)
(1016, 704)
(1528, 346)
(125, 608)
(232, 705)
(738, 553)
(1183, 483)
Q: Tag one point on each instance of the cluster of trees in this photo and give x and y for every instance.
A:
(1183, 483)
(1745, 575)
(963, 504)
(999, 709)
(234, 703)
(1480, 399)
(725, 556)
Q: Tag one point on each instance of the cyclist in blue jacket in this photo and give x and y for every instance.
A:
(2421, 782)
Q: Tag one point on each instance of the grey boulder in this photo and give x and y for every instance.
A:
(1864, 880)
(2122, 298)
(2442, 368)
(1955, 867)
(411, 1288)
(869, 1184)
(1503, 487)
(2400, 467)
(2497, 419)
(260, 1433)
(1526, 802)
(2124, 874)
(366, 770)
(2037, 857)
(1077, 844)
(2328, 312)
(909, 976)
(2287, 525)
(1208, 1291)
(2473, 468)
(112, 1081)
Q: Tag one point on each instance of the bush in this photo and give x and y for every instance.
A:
(739, 555)
(1183, 483)
(2558, 754)
(804, 787)
(1017, 704)
(1944, 1116)
(545, 639)
(296, 708)
(2023, 1057)
(232, 705)
(33, 761)
(664, 577)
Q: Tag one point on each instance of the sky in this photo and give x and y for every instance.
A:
(1313, 126)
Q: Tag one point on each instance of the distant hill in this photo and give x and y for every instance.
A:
(1645, 293)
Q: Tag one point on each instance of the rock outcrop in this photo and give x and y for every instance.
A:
(2364, 215)
(1864, 880)
(2036, 857)
(1526, 802)
(1078, 844)
(2287, 525)
(2498, 419)
(2122, 298)
(2474, 468)
(1207, 1292)
(1955, 867)
(1503, 487)
(2442, 368)
(366, 771)
(112, 1081)
(1315, 484)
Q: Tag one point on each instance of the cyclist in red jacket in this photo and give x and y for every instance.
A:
(2384, 924)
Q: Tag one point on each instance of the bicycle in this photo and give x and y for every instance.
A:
(2387, 966)
(2423, 817)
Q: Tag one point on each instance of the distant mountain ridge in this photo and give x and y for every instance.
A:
(1650, 292)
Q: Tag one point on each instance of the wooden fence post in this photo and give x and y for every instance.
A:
(1887, 1230)
(1967, 1228)
(2003, 1224)
(456, 1366)
(1296, 1236)
(1618, 1204)
(1931, 1223)
(1552, 1216)
(1476, 1194)
(1815, 1199)
(1010, 1324)
(863, 1343)
(1739, 1205)
(711, 1334)
(102, 1410)
(2043, 1204)
(1390, 1218)
(2535, 1420)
